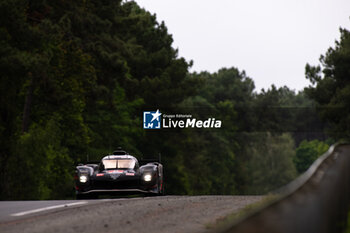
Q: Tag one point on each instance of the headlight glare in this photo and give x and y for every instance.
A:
(147, 177)
(83, 179)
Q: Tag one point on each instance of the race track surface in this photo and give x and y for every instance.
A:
(141, 214)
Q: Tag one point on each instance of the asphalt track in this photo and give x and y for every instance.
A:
(140, 214)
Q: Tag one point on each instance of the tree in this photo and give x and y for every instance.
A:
(307, 153)
(280, 110)
(80, 73)
(331, 86)
(270, 164)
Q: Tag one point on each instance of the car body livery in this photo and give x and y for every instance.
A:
(118, 173)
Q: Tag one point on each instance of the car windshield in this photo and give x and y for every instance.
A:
(118, 163)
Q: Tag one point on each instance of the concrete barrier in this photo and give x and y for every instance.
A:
(316, 202)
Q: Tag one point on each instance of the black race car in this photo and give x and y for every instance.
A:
(118, 173)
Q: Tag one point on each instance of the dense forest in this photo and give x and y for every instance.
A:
(76, 77)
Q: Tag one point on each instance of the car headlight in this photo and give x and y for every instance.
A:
(83, 179)
(147, 177)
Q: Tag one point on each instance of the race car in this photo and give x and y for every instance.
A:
(118, 173)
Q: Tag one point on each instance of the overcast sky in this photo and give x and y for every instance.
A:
(271, 40)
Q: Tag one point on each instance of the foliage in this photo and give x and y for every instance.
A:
(331, 88)
(87, 67)
(41, 166)
(307, 152)
(282, 110)
(271, 162)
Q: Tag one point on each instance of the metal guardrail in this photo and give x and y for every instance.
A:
(316, 202)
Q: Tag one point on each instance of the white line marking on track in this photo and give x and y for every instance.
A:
(48, 208)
